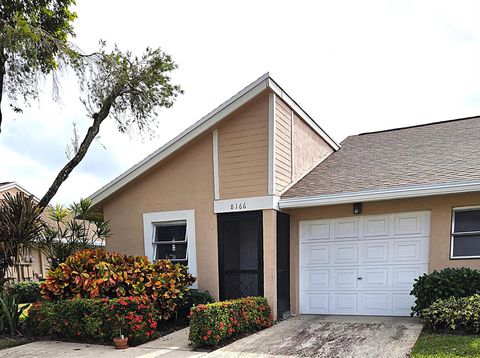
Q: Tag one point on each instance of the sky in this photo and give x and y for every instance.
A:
(354, 66)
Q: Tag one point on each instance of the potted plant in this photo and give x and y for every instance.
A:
(120, 342)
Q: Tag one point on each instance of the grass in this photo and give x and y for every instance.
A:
(446, 345)
(6, 342)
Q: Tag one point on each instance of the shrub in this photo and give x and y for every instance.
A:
(215, 322)
(97, 320)
(193, 298)
(454, 313)
(450, 282)
(26, 292)
(97, 273)
(10, 313)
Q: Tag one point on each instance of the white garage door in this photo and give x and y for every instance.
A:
(362, 265)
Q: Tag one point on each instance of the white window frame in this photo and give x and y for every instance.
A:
(151, 220)
(452, 233)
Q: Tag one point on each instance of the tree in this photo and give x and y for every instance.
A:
(71, 230)
(129, 88)
(20, 226)
(33, 43)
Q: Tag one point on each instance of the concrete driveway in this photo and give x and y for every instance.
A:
(302, 336)
(329, 336)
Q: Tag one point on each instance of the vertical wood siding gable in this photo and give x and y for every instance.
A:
(283, 146)
(243, 151)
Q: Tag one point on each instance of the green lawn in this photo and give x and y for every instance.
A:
(446, 345)
(10, 342)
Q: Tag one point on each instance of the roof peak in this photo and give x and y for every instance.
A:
(420, 125)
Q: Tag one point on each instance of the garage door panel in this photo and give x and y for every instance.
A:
(375, 303)
(376, 226)
(403, 276)
(315, 254)
(407, 251)
(345, 228)
(346, 278)
(374, 278)
(319, 230)
(345, 253)
(344, 303)
(366, 266)
(375, 252)
(316, 279)
(317, 302)
(402, 303)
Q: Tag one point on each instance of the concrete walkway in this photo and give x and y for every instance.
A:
(302, 336)
(329, 336)
(174, 345)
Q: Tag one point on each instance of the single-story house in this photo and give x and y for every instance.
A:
(258, 200)
(33, 265)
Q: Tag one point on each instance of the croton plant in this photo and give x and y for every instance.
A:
(98, 273)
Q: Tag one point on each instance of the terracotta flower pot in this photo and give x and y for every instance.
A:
(120, 343)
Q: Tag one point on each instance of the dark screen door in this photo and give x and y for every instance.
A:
(283, 263)
(240, 250)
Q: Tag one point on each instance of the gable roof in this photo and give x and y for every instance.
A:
(435, 158)
(7, 185)
(204, 124)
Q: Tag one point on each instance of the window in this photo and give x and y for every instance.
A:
(171, 235)
(171, 241)
(465, 233)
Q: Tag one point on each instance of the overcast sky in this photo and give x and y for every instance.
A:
(354, 66)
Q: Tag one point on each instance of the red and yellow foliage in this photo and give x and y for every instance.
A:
(98, 274)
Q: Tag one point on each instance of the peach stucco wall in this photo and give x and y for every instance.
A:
(184, 181)
(441, 216)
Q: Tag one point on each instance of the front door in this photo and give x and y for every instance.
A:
(240, 250)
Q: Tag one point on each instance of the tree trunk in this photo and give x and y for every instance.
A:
(2, 76)
(92, 132)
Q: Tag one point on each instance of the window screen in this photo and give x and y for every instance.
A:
(170, 242)
(466, 233)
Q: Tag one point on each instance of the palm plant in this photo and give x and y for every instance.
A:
(21, 226)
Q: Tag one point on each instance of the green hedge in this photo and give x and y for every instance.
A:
(212, 323)
(94, 320)
(450, 282)
(453, 314)
(193, 297)
(26, 292)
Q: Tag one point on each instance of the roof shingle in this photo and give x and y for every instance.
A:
(437, 153)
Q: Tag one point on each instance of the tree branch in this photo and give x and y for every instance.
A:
(2, 76)
(92, 132)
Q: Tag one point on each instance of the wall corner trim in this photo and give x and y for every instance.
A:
(216, 181)
(271, 143)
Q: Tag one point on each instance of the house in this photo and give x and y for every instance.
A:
(258, 200)
(32, 265)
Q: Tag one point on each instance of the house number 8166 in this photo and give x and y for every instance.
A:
(238, 206)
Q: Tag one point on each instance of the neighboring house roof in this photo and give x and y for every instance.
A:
(7, 185)
(204, 124)
(435, 158)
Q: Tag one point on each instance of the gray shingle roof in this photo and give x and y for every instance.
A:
(436, 153)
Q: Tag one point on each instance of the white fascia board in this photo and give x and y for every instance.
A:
(246, 204)
(309, 120)
(191, 132)
(19, 187)
(379, 195)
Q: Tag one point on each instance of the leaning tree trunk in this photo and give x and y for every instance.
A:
(92, 132)
(2, 76)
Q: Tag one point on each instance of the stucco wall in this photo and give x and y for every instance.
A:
(441, 216)
(184, 181)
(243, 151)
(309, 149)
(270, 258)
